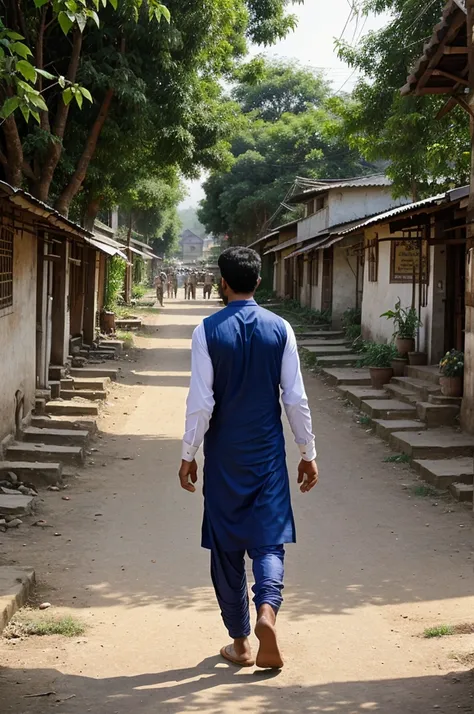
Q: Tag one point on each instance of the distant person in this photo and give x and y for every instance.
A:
(192, 285)
(159, 283)
(186, 286)
(242, 356)
(169, 284)
(174, 284)
(208, 283)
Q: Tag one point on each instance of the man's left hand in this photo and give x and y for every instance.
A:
(308, 475)
(188, 475)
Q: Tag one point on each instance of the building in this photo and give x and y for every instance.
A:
(192, 247)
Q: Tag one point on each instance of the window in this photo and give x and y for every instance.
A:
(373, 259)
(6, 268)
(320, 203)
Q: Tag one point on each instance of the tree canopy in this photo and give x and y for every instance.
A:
(267, 155)
(424, 154)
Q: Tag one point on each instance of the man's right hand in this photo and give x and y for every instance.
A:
(188, 475)
(307, 475)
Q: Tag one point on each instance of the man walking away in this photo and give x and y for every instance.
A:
(186, 286)
(169, 285)
(242, 356)
(208, 283)
(175, 285)
(160, 288)
(193, 284)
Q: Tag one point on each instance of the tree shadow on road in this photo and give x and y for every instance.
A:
(214, 687)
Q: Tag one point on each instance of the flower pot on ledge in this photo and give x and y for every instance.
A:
(379, 376)
(417, 359)
(451, 386)
(398, 366)
(404, 345)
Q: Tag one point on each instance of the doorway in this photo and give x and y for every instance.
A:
(455, 313)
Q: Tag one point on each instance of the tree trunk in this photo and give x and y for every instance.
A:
(64, 201)
(92, 209)
(14, 152)
(42, 186)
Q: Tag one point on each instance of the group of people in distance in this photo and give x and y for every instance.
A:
(169, 282)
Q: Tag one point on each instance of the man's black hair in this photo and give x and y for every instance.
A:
(240, 267)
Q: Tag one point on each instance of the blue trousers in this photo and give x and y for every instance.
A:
(230, 583)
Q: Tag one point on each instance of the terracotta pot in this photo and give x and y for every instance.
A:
(451, 386)
(398, 366)
(417, 359)
(404, 345)
(380, 376)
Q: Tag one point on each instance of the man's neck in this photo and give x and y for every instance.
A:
(233, 297)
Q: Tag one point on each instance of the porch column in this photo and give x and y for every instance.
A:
(60, 311)
(91, 258)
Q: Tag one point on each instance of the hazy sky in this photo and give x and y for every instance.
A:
(312, 43)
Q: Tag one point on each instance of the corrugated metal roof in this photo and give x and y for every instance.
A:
(452, 24)
(274, 232)
(313, 187)
(29, 203)
(282, 246)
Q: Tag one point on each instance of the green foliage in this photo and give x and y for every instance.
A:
(378, 355)
(114, 282)
(138, 292)
(189, 219)
(264, 295)
(425, 155)
(397, 459)
(452, 364)
(405, 320)
(32, 623)
(439, 631)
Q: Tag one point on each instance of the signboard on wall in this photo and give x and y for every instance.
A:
(405, 260)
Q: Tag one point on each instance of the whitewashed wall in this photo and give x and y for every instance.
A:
(353, 203)
(344, 282)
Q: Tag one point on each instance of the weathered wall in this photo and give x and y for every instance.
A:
(311, 226)
(354, 203)
(18, 335)
(381, 296)
(344, 281)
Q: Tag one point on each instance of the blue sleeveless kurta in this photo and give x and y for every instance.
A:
(246, 489)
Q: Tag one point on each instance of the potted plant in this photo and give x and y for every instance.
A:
(378, 358)
(452, 371)
(406, 322)
(398, 365)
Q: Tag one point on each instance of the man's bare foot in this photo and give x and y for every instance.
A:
(269, 655)
(239, 653)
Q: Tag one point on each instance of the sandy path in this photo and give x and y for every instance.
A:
(374, 566)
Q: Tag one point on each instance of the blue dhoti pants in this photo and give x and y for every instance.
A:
(230, 583)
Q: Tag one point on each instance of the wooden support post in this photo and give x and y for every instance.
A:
(60, 307)
(90, 298)
(467, 410)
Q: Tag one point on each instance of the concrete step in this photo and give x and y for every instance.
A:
(89, 383)
(441, 399)
(98, 355)
(421, 387)
(395, 391)
(305, 342)
(328, 351)
(83, 423)
(425, 373)
(351, 376)
(128, 324)
(17, 505)
(384, 428)
(23, 451)
(437, 414)
(37, 473)
(442, 473)
(54, 386)
(433, 444)
(56, 372)
(93, 395)
(338, 360)
(117, 345)
(462, 492)
(320, 334)
(72, 408)
(40, 406)
(62, 437)
(16, 585)
(86, 372)
(387, 409)
(357, 394)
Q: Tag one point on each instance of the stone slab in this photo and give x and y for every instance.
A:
(329, 350)
(437, 414)
(321, 343)
(427, 373)
(385, 427)
(400, 393)
(338, 360)
(22, 451)
(357, 394)
(462, 492)
(387, 409)
(421, 387)
(433, 443)
(81, 423)
(15, 587)
(320, 334)
(442, 473)
(36, 472)
(56, 436)
(94, 372)
(17, 505)
(350, 376)
(90, 394)
(72, 408)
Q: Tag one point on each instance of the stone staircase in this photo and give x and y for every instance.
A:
(329, 347)
(412, 415)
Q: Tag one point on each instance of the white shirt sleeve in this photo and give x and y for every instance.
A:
(294, 398)
(200, 402)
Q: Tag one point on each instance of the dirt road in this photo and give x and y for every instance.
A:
(375, 565)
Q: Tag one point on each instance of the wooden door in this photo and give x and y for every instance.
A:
(326, 292)
(455, 314)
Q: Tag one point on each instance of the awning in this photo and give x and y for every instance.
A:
(283, 246)
(147, 256)
(307, 248)
(105, 248)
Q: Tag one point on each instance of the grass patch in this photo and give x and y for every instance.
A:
(127, 338)
(365, 420)
(438, 631)
(34, 624)
(397, 459)
(424, 491)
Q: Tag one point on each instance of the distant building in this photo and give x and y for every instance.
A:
(192, 246)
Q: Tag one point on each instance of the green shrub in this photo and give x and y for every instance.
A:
(114, 282)
(138, 291)
(379, 355)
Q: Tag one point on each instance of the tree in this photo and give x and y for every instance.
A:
(425, 154)
(189, 219)
(129, 62)
(268, 155)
